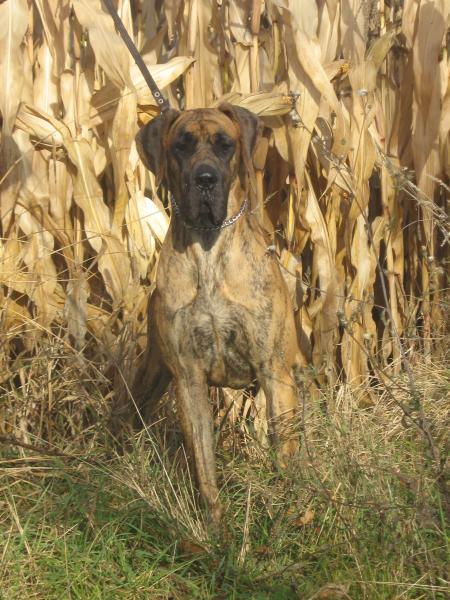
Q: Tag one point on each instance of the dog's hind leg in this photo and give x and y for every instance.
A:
(150, 383)
(280, 390)
(152, 377)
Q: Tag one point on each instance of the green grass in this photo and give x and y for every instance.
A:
(360, 516)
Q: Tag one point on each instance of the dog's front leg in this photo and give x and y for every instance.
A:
(195, 414)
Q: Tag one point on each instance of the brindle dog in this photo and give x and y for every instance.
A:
(221, 314)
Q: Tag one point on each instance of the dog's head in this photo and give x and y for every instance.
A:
(198, 154)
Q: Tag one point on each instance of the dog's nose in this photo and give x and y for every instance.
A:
(205, 179)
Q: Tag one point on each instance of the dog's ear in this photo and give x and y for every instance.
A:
(150, 142)
(250, 128)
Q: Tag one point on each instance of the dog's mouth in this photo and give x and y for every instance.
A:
(202, 197)
(206, 208)
(208, 212)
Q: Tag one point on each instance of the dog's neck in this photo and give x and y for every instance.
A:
(208, 253)
(206, 258)
(227, 222)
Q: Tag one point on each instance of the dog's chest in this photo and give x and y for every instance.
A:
(217, 335)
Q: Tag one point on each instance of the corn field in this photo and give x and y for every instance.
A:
(355, 99)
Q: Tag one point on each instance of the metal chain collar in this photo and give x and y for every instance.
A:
(226, 223)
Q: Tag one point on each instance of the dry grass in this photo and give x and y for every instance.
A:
(354, 96)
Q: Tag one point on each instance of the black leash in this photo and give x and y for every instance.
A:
(161, 101)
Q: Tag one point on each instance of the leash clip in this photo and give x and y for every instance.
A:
(163, 103)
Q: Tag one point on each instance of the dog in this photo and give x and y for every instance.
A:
(220, 314)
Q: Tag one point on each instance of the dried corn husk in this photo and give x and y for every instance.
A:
(354, 197)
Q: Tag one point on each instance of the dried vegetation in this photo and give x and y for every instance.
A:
(355, 98)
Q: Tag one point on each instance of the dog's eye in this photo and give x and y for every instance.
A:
(223, 145)
(185, 144)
